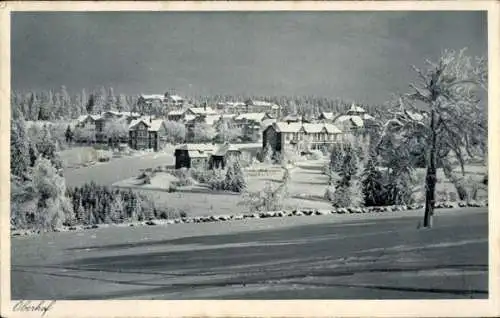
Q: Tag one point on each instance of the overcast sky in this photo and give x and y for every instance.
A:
(361, 56)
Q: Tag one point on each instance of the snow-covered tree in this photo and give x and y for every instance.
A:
(269, 198)
(85, 134)
(66, 108)
(53, 207)
(82, 102)
(372, 183)
(69, 135)
(203, 133)
(117, 209)
(19, 148)
(225, 132)
(110, 102)
(115, 131)
(91, 104)
(122, 104)
(235, 179)
(448, 95)
(268, 154)
(175, 131)
(47, 147)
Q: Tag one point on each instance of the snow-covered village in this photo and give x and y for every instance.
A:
(177, 188)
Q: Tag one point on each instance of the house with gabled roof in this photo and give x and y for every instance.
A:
(147, 133)
(251, 124)
(259, 106)
(173, 100)
(190, 113)
(290, 136)
(209, 156)
(193, 155)
(356, 119)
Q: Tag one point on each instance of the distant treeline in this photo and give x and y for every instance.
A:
(61, 105)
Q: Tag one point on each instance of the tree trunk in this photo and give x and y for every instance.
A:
(430, 180)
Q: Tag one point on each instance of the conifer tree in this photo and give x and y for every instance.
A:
(235, 179)
(19, 148)
(110, 102)
(372, 183)
(90, 105)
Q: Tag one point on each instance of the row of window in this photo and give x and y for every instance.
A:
(310, 137)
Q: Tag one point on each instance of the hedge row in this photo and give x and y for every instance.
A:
(284, 213)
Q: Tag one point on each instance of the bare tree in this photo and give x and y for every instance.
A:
(452, 118)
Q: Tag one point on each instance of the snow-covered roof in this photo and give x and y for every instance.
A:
(223, 149)
(355, 120)
(307, 127)
(228, 116)
(251, 116)
(120, 114)
(355, 109)
(231, 104)
(267, 122)
(262, 103)
(328, 115)
(211, 119)
(175, 98)
(332, 129)
(95, 117)
(153, 97)
(189, 117)
(317, 128)
(196, 147)
(178, 112)
(155, 124)
(82, 118)
(287, 127)
(152, 124)
(313, 128)
(291, 117)
(135, 122)
(202, 110)
(197, 154)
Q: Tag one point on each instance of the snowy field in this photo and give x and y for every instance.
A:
(321, 257)
(306, 188)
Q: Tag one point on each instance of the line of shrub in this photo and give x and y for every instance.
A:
(180, 217)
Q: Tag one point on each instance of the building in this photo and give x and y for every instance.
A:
(193, 155)
(251, 125)
(259, 106)
(205, 111)
(283, 136)
(173, 100)
(146, 103)
(86, 121)
(176, 115)
(355, 120)
(147, 134)
(221, 155)
(208, 156)
(190, 113)
(231, 107)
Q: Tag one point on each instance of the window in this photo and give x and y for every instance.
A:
(142, 133)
